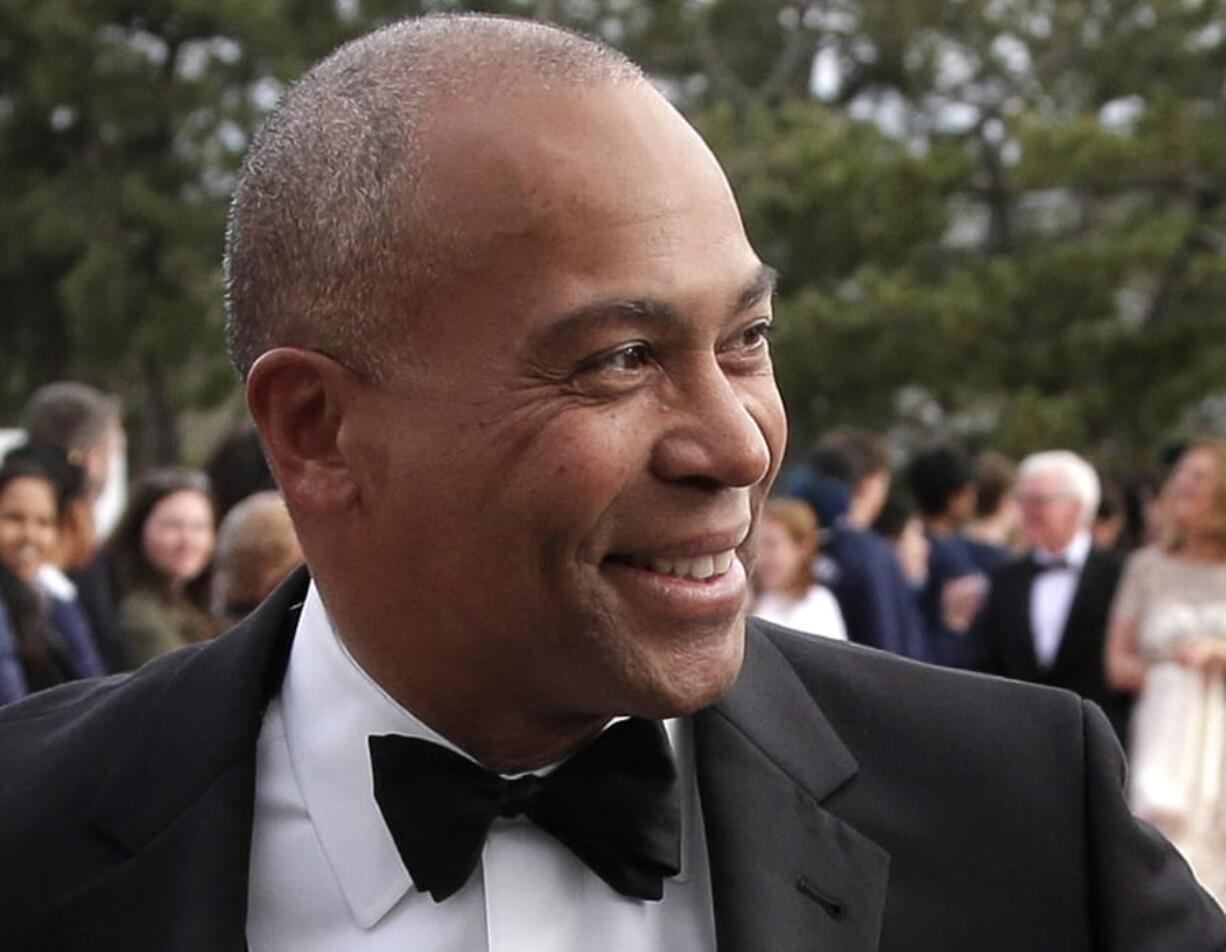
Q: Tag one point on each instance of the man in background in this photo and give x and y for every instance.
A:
(942, 482)
(859, 566)
(1046, 615)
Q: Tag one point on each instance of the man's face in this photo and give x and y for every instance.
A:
(1050, 512)
(562, 479)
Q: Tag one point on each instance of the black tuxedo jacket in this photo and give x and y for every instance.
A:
(1006, 641)
(853, 801)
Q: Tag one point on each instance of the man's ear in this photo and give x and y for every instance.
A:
(298, 399)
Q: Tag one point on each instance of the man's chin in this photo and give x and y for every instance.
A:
(696, 680)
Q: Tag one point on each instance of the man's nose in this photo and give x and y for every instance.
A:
(713, 436)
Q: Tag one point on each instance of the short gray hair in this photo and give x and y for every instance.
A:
(326, 240)
(1080, 479)
(72, 416)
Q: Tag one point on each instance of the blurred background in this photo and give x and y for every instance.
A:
(998, 221)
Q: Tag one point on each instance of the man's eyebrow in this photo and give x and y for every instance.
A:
(763, 285)
(570, 326)
(595, 314)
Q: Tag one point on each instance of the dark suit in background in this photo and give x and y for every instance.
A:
(949, 559)
(852, 802)
(97, 598)
(878, 605)
(1005, 641)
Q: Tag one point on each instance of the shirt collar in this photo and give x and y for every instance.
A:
(1075, 553)
(55, 583)
(331, 705)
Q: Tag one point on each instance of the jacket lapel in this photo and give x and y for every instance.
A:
(1024, 662)
(1076, 630)
(186, 890)
(185, 787)
(787, 875)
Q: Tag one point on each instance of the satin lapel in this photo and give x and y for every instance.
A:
(787, 875)
(178, 805)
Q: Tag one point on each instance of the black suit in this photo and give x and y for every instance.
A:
(853, 801)
(1005, 638)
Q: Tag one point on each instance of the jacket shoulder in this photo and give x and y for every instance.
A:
(65, 739)
(855, 685)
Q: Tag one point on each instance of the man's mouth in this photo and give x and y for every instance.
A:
(692, 577)
(699, 568)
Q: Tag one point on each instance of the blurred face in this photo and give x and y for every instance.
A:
(178, 536)
(567, 478)
(1050, 512)
(781, 559)
(27, 526)
(1189, 496)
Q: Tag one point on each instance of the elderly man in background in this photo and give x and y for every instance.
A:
(1046, 616)
(506, 342)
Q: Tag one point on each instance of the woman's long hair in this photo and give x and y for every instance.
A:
(130, 568)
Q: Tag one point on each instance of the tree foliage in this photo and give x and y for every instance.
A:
(999, 218)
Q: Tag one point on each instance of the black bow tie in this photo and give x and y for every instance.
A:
(614, 804)
(1058, 564)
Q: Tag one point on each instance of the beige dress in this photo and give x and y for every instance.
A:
(1177, 744)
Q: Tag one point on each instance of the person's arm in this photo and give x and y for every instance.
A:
(1123, 665)
(1143, 896)
(1125, 669)
(1202, 653)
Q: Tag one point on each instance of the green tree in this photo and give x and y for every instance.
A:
(999, 218)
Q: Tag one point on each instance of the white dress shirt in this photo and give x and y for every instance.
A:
(325, 875)
(1051, 596)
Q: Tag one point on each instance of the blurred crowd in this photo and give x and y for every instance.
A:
(1039, 571)
(192, 551)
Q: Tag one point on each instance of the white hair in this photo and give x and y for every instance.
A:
(1080, 479)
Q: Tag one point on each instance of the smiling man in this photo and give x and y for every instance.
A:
(506, 343)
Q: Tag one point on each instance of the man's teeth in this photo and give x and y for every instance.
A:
(700, 568)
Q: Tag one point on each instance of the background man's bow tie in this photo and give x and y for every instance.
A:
(614, 804)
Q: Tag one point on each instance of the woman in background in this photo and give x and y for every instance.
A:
(786, 593)
(1167, 643)
(159, 557)
(43, 642)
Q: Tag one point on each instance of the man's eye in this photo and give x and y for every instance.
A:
(755, 337)
(625, 359)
